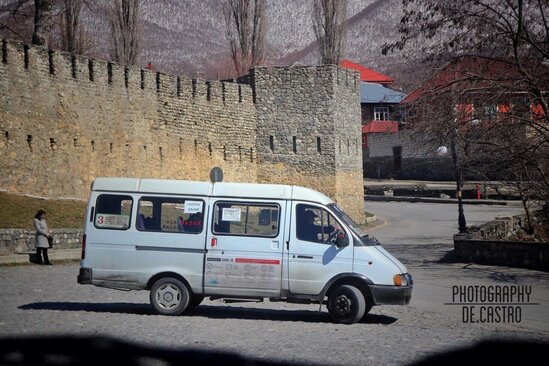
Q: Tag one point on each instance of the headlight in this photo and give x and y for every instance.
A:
(403, 280)
(409, 279)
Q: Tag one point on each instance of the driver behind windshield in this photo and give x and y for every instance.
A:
(311, 229)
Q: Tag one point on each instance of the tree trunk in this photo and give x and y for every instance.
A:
(71, 32)
(330, 29)
(42, 22)
(246, 28)
(125, 31)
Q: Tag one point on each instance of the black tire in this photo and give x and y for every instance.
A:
(169, 296)
(369, 306)
(195, 301)
(346, 304)
(369, 302)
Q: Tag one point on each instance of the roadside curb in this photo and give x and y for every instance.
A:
(53, 254)
(375, 224)
(370, 197)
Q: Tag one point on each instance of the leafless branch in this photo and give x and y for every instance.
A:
(329, 25)
(125, 25)
(246, 25)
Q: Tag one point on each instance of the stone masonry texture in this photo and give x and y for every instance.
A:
(66, 119)
(309, 131)
(22, 240)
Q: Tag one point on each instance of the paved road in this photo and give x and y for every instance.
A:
(420, 235)
(429, 223)
(46, 300)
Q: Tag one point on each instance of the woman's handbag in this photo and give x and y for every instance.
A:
(50, 241)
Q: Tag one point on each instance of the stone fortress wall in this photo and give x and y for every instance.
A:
(66, 119)
(309, 130)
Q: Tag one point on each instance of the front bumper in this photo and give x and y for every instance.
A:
(391, 295)
(85, 276)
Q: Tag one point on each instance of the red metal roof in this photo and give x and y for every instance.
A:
(367, 74)
(463, 73)
(380, 126)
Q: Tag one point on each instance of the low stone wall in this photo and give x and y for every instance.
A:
(532, 255)
(438, 169)
(15, 241)
(487, 244)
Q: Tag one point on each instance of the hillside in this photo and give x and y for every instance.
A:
(17, 212)
(188, 36)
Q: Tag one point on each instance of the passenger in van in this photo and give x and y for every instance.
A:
(140, 222)
(194, 223)
(180, 224)
(309, 231)
(149, 223)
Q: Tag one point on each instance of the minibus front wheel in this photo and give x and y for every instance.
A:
(169, 296)
(346, 304)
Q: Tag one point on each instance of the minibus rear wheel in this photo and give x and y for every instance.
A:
(169, 296)
(346, 304)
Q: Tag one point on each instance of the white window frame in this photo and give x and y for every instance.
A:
(381, 113)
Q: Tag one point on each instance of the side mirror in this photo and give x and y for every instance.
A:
(341, 240)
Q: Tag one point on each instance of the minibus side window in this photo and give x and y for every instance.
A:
(246, 219)
(113, 212)
(168, 214)
(314, 224)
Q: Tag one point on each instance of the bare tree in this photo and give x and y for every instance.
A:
(246, 23)
(330, 29)
(72, 34)
(505, 133)
(123, 16)
(19, 12)
(17, 19)
(42, 22)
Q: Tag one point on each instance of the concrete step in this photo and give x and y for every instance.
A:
(369, 197)
(30, 256)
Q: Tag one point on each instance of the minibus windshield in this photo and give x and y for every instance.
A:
(347, 220)
(364, 238)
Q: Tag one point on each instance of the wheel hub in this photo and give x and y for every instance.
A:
(343, 305)
(168, 296)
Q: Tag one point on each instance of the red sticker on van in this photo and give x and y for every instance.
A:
(257, 261)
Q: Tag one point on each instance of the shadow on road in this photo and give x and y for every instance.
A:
(449, 257)
(94, 350)
(113, 307)
(378, 319)
(206, 311)
(508, 274)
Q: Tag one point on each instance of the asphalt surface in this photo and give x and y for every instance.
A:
(46, 301)
(420, 235)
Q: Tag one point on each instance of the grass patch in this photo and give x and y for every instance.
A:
(17, 212)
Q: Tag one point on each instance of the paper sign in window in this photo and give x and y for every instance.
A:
(231, 214)
(193, 207)
(109, 221)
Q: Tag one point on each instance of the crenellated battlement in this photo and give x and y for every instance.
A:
(309, 130)
(66, 119)
(81, 118)
(63, 67)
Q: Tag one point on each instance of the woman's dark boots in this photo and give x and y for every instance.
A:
(44, 251)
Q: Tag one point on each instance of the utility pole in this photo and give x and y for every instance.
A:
(462, 224)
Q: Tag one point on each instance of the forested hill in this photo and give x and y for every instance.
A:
(188, 36)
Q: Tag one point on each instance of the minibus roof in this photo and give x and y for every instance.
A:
(227, 190)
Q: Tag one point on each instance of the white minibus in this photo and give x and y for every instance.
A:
(185, 240)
